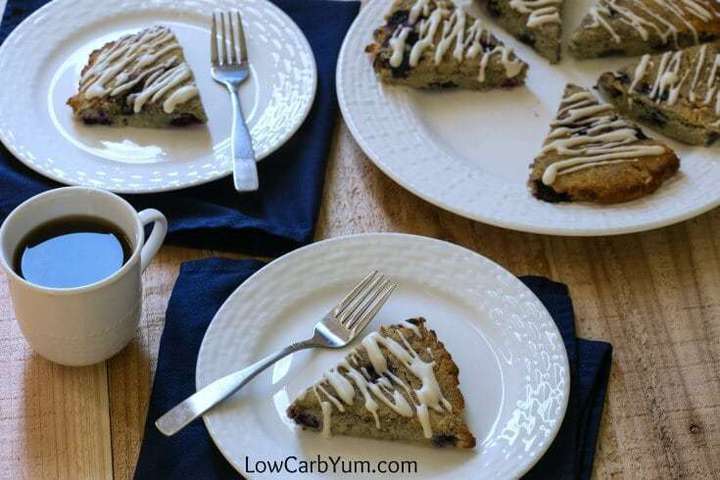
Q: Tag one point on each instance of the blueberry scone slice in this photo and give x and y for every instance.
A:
(677, 93)
(537, 23)
(436, 44)
(140, 80)
(593, 154)
(636, 27)
(399, 384)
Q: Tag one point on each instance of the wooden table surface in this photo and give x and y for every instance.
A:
(655, 296)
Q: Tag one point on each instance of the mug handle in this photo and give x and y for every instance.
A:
(155, 240)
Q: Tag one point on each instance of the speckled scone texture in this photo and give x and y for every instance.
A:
(618, 180)
(684, 114)
(117, 109)
(545, 37)
(448, 428)
(636, 27)
(492, 65)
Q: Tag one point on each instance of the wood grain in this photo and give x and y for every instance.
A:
(54, 420)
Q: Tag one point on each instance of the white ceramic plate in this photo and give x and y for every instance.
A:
(513, 365)
(40, 64)
(469, 152)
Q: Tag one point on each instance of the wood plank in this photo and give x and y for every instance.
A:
(54, 420)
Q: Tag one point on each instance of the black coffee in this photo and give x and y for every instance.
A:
(71, 251)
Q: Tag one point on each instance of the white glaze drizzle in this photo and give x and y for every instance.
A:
(669, 78)
(179, 96)
(412, 327)
(327, 414)
(540, 11)
(640, 71)
(699, 64)
(387, 388)
(359, 379)
(341, 385)
(438, 29)
(338, 404)
(665, 20)
(590, 134)
(149, 58)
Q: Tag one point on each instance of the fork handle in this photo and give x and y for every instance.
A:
(245, 176)
(203, 400)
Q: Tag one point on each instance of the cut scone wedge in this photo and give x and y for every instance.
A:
(399, 384)
(636, 27)
(593, 154)
(139, 80)
(435, 44)
(677, 93)
(536, 23)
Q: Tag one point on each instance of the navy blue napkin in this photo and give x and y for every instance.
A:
(282, 214)
(203, 286)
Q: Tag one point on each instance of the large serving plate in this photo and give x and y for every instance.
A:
(513, 365)
(40, 64)
(469, 152)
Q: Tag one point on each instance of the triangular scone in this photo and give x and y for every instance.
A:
(677, 93)
(435, 44)
(593, 154)
(534, 22)
(635, 27)
(399, 384)
(140, 80)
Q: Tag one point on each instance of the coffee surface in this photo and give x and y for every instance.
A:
(71, 252)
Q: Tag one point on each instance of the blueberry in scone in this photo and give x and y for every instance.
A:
(399, 384)
(436, 44)
(593, 154)
(677, 93)
(139, 80)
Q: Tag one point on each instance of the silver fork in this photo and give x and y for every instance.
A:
(230, 67)
(337, 329)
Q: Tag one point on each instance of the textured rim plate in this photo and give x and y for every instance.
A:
(468, 152)
(40, 64)
(513, 365)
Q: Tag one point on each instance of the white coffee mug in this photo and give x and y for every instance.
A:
(89, 324)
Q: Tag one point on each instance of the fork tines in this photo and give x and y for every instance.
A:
(364, 301)
(227, 45)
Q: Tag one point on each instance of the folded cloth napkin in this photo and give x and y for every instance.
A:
(282, 214)
(203, 286)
